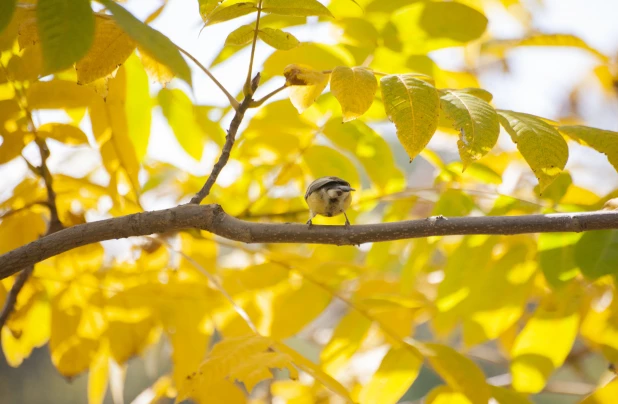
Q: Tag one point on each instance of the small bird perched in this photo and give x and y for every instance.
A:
(328, 196)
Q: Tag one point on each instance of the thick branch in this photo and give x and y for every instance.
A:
(212, 218)
(230, 138)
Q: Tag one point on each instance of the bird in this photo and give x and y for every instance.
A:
(328, 196)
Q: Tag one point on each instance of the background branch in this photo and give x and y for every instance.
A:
(213, 219)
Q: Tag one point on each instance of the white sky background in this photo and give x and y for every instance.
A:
(539, 83)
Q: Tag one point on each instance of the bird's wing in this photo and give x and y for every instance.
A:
(322, 182)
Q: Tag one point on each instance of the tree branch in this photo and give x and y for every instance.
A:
(230, 138)
(213, 219)
(248, 88)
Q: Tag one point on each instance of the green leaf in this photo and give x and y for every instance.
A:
(596, 253)
(413, 105)
(278, 39)
(7, 8)
(603, 141)
(223, 13)
(157, 45)
(476, 120)
(180, 114)
(397, 372)
(299, 8)
(556, 257)
(241, 35)
(66, 29)
(544, 149)
(354, 88)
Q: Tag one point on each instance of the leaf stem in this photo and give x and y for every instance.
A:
(247, 90)
(261, 101)
(229, 96)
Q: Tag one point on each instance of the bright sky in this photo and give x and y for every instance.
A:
(539, 83)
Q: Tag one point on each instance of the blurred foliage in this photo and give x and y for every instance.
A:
(230, 313)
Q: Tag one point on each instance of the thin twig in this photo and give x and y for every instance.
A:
(54, 221)
(247, 88)
(267, 96)
(11, 298)
(229, 96)
(230, 138)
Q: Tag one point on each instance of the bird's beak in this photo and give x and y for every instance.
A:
(352, 189)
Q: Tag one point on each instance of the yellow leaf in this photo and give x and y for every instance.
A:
(241, 35)
(324, 161)
(603, 141)
(314, 371)
(156, 71)
(138, 106)
(129, 337)
(28, 327)
(247, 359)
(293, 392)
(7, 36)
(58, 94)
(201, 250)
(75, 332)
(291, 313)
(97, 378)
(459, 372)
(306, 85)
(12, 145)
(446, 395)
(225, 13)
(158, 46)
(396, 373)
(67, 134)
(544, 343)
(118, 123)
(500, 47)
(300, 8)
(506, 396)
(6, 13)
(413, 105)
(354, 89)
(21, 228)
(346, 340)
(604, 395)
(278, 39)
(476, 121)
(544, 149)
(180, 114)
(111, 47)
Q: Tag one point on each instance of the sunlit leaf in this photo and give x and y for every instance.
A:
(305, 84)
(446, 395)
(413, 105)
(544, 343)
(396, 373)
(138, 106)
(178, 110)
(476, 120)
(556, 257)
(226, 13)
(544, 149)
(241, 35)
(67, 134)
(354, 89)
(603, 141)
(300, 8)
(346, 340)
(157, 45)
(110, 48)
(278, 39)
